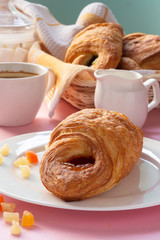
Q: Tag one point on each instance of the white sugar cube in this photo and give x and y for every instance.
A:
(6, 54)
(20, 55)
(27, 45)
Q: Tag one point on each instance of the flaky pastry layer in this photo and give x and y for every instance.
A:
(90, 152)
(98, 46)
(143, 49)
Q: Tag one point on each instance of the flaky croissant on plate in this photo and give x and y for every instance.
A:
(90, 152)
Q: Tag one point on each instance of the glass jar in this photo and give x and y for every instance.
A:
(17, 33)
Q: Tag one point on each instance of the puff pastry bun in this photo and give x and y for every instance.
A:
(90, 152)
(97, 46)
(142, 51)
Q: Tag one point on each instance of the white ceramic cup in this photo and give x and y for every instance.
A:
(22, 96)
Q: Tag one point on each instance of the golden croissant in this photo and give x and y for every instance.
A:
(97, 46)
(141, 49)
(90, 152)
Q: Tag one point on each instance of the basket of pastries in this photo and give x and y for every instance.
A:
(96, 41)
(107, 47)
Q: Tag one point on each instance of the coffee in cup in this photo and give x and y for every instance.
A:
(22, 89)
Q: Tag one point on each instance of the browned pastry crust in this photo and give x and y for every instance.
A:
(98, 46)
(128, 64)
(90, 152)
(142, 48)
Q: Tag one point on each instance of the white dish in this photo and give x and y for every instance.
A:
(138, 190)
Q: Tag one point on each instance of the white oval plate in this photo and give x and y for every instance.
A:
(140, 189)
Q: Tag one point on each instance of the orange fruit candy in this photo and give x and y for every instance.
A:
(31, 157)
(27, 219)
(1, 200)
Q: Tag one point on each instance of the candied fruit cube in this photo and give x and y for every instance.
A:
(25, 169)
(10, 216)
(1, 158)
(15, 228)
(21, 161)
(1, 201)
(8, 207)
(27, 219)
(5, 150)
(32, 157)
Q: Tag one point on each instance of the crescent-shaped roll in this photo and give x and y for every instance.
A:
(97, 46)
(143, 49)
(128, 64)
(90, 152)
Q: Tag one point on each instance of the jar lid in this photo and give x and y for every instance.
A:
(14, 25)
(11, 17)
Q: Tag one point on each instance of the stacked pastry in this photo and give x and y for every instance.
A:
(97, 46)
(141, 51)
(83, 160)
(104, 46)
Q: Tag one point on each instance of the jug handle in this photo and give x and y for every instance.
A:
(156, 92)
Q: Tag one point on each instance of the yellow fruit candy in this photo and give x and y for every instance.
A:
(25, 169)
(27, 219)
(15, 228)
(1, 158)
(10, 216)
(5, 150)
(21, 161)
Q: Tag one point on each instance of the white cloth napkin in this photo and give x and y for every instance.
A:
(56, 36)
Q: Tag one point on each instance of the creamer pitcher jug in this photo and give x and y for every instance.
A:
(124, 91)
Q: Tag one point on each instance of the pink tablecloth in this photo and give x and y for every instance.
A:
(52, 223)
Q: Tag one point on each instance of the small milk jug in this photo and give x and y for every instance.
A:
(124, 91)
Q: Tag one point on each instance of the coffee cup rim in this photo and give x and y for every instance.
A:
(35, 67)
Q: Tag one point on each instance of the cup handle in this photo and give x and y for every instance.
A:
(156, 92)
(51, 80)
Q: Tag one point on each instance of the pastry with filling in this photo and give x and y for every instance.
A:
(90, 152)
(97, 46)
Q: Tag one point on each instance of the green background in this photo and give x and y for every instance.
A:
(133, 15)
